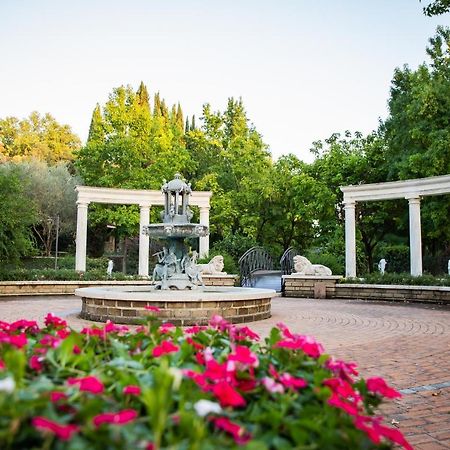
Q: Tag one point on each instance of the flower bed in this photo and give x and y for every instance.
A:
(161, 387)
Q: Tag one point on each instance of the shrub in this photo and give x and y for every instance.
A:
(397, 257)
(160, 387)
(60, 275)
(401, 278)
(334, 262)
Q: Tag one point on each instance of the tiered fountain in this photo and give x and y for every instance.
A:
(177, 287)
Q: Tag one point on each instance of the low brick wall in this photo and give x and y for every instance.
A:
(309, 286)
(8, 288)
(188, 308)
(400, 293)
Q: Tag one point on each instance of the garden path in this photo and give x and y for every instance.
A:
(408, 345)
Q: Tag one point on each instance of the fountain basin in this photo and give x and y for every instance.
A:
(175, 230)
(126, 304)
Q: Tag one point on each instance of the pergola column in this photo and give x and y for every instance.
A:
(204, 241)
(415, 236)
(144, 219)
(81, 239)
(350, 239)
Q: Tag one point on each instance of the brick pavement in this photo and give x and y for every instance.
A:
(409, 345)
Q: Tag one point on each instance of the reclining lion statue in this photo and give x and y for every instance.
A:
(303, 266)
(214, 267)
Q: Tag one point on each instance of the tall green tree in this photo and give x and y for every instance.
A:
(437, 7)
(17, 215)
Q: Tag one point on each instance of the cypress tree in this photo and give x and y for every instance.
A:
(143, 98)
(157, 105)
(193, 123)
(179, 117)
(186, 128)
(96, 129)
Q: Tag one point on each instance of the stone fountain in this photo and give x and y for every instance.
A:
(177, 288)
(175, 268)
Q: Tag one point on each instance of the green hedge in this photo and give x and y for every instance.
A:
(60, 275)
(400, 278)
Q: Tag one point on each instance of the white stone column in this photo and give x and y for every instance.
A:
(415, 236)
(144, 219)
(350, 239)
(204, 241)
(81, 238)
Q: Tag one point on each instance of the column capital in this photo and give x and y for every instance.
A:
(413, 198)
(82, 204)
(145, 205)
(349, 204)
(204, 208)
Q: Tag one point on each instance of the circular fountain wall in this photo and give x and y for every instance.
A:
(127, 304)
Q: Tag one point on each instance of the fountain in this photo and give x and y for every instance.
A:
(177, 288)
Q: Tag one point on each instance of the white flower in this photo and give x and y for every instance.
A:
(205, 407)
(7, 384)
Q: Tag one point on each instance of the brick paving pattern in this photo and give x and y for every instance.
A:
(408, 345)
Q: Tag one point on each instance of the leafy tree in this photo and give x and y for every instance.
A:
(52, 191)
(40, 137)
(437, 7)
(17, 214)
(418, 135)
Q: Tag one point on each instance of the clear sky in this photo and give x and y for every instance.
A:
(304, 69)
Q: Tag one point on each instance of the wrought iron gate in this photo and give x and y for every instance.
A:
(254, 259)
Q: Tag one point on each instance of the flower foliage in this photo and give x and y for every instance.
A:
(160, 387)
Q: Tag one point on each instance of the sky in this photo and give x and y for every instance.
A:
(304, 69)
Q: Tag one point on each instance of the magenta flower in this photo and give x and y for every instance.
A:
(305, 343)
(119, 418)
(24, 325)
(2, 365)
(152, 308)
(50, 319)
(164, 348)
(64, 432)
(166, 328)
(35, 363)
(238, 432)
(378, 386)
(290, 382)
(343, 369)
(88, 384)
(131, 390)
(16, 340)
(242, 333)
(195, 329)
(227, 395)
(244, 356)
(56, 396)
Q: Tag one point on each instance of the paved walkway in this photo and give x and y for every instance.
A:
(408, 345)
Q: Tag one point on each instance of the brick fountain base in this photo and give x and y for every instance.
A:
(126, 304)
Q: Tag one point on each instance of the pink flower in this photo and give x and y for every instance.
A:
(50, 319)
(50, 341)
(343, 369)
(63, 333)
(152, 308)
(305, 343)
(194, 344)
(241, 333)
(198, 378)
(131, 390)
(16, 340)
(290, 382)
(164, 348)
(76, 350)
(64, 432)
(119, 418)
(35, 363)
(378, 386)
(56, 396)
(227, 395)
(238, 432)
(2, 365)
(195, 329)
(349, 407)
(111, 327)
(166, 328)
(219, 322)
(393, 435)
(285, 330)
(244, 356)
(24, 325)
(272, 386)
(88, 384)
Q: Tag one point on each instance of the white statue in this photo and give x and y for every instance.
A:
(382, 266)
(214, 267)
(110, 267)
(448, 266)
(303, 266)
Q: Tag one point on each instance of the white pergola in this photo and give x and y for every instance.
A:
(411, 190)
(145, 199)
